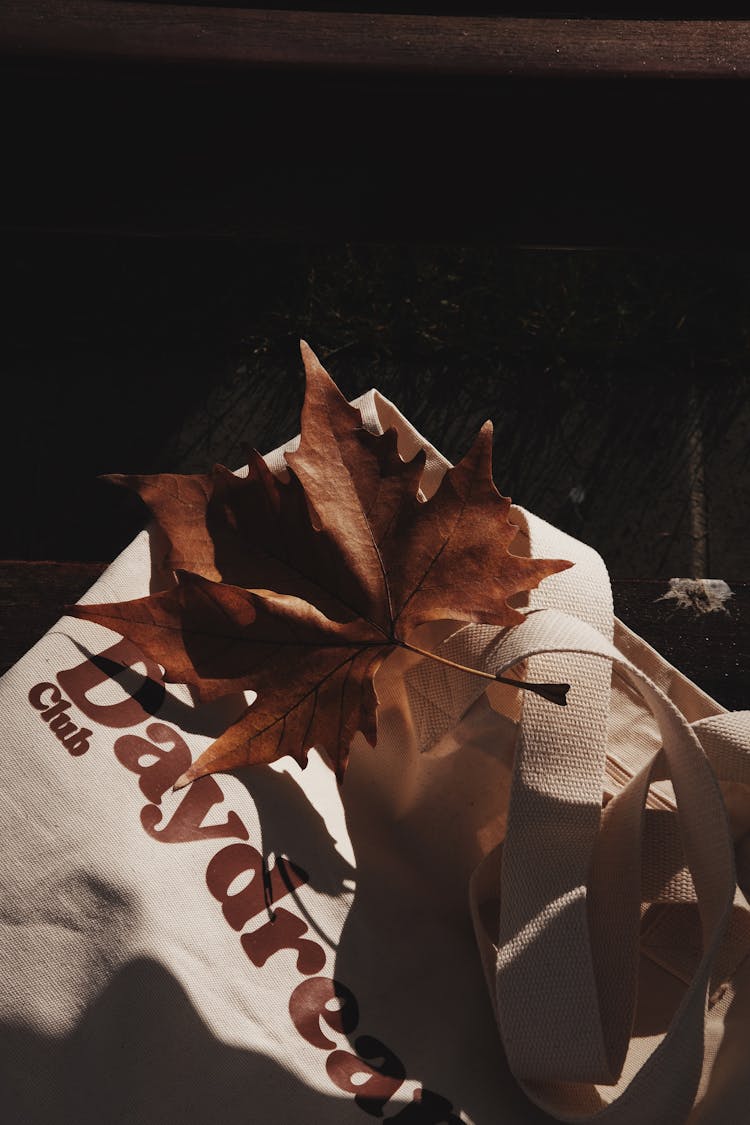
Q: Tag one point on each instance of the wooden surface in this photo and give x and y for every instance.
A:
(713, 650)
(177, 121)
(375, 42)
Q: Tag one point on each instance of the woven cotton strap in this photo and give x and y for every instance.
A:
(532, 939)
(556, 800)
(553, 824)
(571, 880)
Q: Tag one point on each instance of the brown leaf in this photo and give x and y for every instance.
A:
(298, 588)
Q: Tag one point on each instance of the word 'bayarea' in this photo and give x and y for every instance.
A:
(373, 1075)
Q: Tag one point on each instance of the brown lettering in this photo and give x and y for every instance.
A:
(62, 726)
(78, 742)
(375, 1073)
(77, 682)
(155, 778)
(186, 824)
(37, 693)
(54, 712)
(378, 1080)
(309, 1004)
(238, 859)
(284, 932)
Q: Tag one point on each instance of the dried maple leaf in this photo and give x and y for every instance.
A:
(298, 588)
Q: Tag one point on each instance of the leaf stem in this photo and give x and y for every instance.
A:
(555, 693)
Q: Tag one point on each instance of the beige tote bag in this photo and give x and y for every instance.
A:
(510, 912)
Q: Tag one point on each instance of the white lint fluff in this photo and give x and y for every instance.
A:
(702, 595)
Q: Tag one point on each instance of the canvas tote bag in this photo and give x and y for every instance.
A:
(510, 912)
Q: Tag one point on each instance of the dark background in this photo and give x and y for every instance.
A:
(597, 368)
(570, 258)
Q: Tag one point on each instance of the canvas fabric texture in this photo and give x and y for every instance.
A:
(510, 913)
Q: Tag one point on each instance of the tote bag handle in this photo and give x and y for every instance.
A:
(564, 972)
(565, 969)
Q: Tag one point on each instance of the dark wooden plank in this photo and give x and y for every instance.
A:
(712, 649)
(157, 152)
(164, 120)
(423, 44)
(302, 131)
(32, 596)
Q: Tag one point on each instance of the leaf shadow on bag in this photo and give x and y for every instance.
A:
(291, 826)
(289, 823)
(418, 824)
(416, 841)
(209, 719)
(142, 1055)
